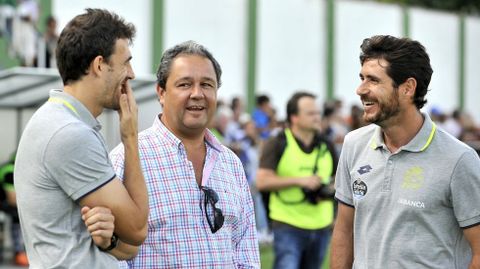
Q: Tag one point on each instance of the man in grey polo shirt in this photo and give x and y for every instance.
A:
(62, 162)
(408, 192)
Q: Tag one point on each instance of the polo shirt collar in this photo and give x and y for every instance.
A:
(419, 143)
(75, 107)
(164, 132)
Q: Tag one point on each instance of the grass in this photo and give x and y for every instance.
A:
(267, 255)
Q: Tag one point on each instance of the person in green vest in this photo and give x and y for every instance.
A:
(9, 206)
(6, 181)
(297, 166)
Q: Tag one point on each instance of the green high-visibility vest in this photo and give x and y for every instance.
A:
(4, 170)
(296, 163)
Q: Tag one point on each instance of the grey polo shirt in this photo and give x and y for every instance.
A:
(410, 206)
(61, 158)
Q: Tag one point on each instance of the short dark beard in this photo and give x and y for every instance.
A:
(387, 111)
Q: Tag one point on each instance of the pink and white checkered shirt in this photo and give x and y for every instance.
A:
(178, 231)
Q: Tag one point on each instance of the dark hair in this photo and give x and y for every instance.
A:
(87, 36)
(234, 103)
(50, 19)
(262, 99)
(185, 48)
(407, 59)
(292, 104)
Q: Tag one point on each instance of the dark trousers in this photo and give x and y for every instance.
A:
(298, 248)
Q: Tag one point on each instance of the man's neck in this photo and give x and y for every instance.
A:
(305, 136)
(193, 144)
(196, 153)
(193, 139)
(82, 92)
(402, 130)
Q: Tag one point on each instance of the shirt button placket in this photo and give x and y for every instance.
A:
(387, 182)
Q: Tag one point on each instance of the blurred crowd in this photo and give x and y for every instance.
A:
(19, 20)
(459, 124)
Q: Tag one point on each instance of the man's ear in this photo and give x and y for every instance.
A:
(96, 66)
(160, 94)
(409, 87)
(293, 119)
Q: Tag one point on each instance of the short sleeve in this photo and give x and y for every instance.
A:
(465, 190)
(343, 191)
(117, 156)
(333, 153)
(271, 152)
(77, 159)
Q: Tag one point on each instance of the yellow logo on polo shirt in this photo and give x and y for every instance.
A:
(413, 178)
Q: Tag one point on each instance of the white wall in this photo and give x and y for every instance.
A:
(472, 67)
(8, 135)
(219, 25)
(290, 49)
(355, 21)
(438, 32)
(138, 12)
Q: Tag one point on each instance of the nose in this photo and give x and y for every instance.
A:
(197, 91)
(362, 89)
(130, 73)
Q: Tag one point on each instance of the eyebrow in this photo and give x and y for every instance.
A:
(368, 76)
(202, 78)
(210, 79)
(128, 59)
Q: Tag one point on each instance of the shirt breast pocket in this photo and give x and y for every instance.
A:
(230, 202)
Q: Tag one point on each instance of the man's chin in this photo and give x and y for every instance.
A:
(195, 124)
(115, 107)
(370, 118)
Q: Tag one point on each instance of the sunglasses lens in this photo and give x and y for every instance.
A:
(212, 195)
(213, 214)
(219, 218)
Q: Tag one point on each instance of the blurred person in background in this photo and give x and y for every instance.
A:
(355, 119)
(234, 131)
(334, 126)
(262, 116)
(220, 122)
(24, 32)
(9, 206)
(7, 13)
(297, 166)
(51, 39)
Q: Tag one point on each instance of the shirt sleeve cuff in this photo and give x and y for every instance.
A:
(465, 224)
(343, 199)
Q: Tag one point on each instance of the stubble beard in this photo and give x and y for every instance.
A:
(387, 110)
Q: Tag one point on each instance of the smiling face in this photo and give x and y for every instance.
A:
(118, 72)
(190, 96)
(379, 97)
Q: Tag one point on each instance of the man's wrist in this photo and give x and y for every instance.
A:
(113, 244)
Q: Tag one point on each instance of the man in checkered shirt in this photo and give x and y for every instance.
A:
(201, 210)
